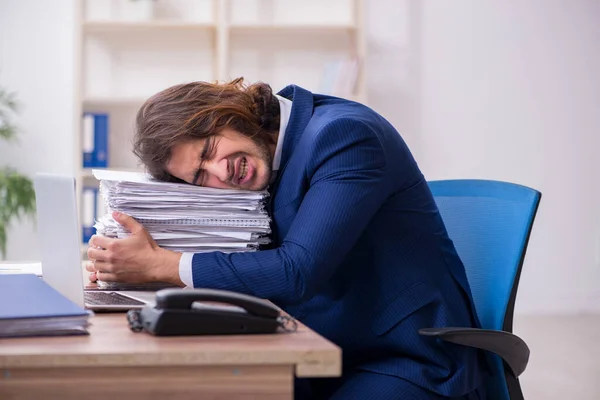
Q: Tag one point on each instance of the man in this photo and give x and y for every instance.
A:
(360, 253)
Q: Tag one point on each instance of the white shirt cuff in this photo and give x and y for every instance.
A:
(185, 269)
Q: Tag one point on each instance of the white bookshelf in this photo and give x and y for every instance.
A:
(127, 54)
(95, 27)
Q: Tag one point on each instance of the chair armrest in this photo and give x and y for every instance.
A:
(510, 347)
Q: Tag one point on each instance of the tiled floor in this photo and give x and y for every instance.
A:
(565, 357)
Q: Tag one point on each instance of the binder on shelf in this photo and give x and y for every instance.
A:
(95, 140)
(87, 140)
(89, 196)
(101, 140)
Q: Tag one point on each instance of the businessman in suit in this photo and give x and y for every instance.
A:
(359, 251)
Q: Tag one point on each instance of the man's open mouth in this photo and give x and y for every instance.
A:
(243, 169)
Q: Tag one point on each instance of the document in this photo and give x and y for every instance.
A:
(34, 268)
(182, 217)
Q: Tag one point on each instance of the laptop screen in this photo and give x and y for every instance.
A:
(58, 234)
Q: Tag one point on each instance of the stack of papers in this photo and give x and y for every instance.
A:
(21, 268)
(182, 217)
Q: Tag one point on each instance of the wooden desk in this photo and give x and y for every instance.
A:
(115, 363)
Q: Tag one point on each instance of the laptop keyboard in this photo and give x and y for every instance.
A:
(100, 298)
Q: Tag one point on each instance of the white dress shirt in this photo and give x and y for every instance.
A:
(285, 109)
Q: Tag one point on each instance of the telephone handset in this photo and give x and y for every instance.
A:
(185, 312)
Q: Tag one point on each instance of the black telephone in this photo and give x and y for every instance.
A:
(179, 312)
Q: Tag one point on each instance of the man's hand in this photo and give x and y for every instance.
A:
(134, 259)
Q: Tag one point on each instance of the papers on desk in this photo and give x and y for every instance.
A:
(182, 217)
(21, 268)
(31, 307)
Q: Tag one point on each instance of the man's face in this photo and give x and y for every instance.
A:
(228, 160)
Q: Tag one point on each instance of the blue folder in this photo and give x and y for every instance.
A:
(31, 307)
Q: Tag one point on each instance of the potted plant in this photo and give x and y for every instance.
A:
(17, 196)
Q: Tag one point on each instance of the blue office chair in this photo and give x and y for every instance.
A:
(490, 223)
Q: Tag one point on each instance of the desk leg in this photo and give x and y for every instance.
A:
(265, 382)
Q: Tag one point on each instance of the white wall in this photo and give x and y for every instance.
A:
(510, 90)
(37, 45)
(391, 67)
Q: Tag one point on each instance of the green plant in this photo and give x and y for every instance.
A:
(17, 196)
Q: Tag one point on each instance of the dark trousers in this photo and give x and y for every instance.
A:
(365, 385)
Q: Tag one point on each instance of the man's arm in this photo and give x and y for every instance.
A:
(346, 190)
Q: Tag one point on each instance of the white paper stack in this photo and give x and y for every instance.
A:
(182, 217)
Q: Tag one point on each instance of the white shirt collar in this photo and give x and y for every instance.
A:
(285, 109)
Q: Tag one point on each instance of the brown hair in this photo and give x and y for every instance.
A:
(198, 110)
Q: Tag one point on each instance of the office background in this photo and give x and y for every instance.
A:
(506, 90)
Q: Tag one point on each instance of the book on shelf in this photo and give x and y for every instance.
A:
(92, 208)
(94, 143)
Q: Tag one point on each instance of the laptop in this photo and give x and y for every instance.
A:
(59, 238)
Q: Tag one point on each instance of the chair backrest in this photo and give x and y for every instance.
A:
(490, 223)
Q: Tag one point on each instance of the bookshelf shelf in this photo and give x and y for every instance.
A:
(293, 29)
(92, 27)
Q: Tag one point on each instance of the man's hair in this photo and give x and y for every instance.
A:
(198, 110)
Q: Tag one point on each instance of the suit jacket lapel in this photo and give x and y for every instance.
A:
(302, 111)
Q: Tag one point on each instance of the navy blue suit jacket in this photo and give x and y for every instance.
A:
(360, 252)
